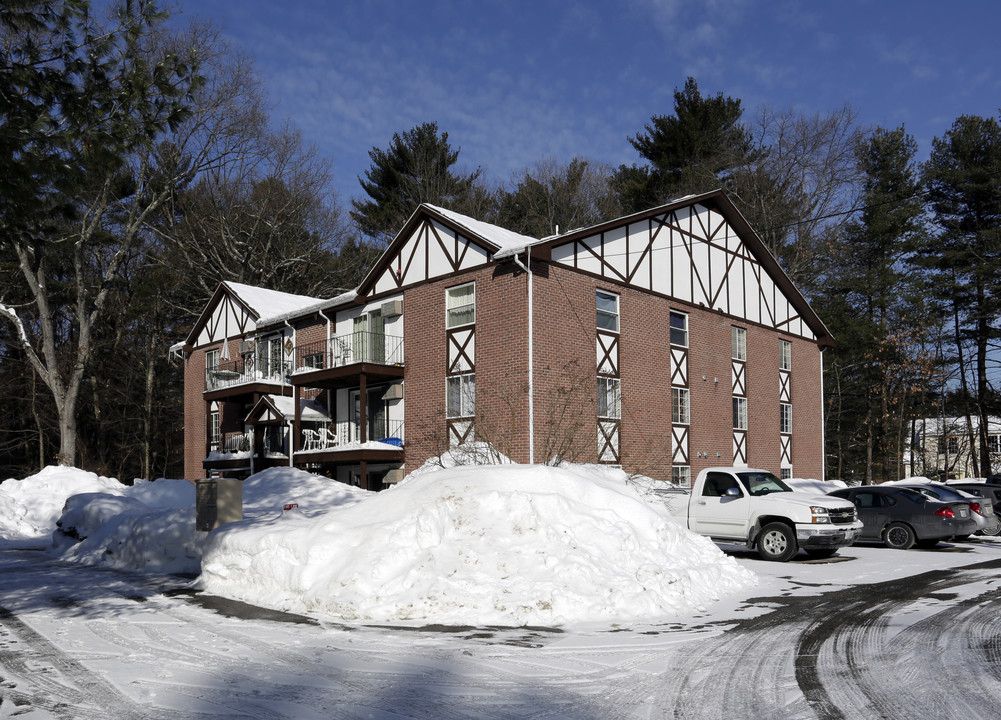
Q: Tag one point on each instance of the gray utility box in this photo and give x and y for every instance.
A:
(218, 501)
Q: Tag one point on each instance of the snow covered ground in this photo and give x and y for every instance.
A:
(77, 641)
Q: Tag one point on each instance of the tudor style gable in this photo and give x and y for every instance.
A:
(428, 250)
(435, 243)
(699, 251)
(226, 316)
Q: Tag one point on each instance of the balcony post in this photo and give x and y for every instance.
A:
(363, 411)
(296, 440)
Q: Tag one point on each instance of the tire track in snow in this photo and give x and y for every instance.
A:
(885, 650)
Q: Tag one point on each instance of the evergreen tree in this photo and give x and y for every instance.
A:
(416, 168)
(558, 197)
(870, 299)
(963, 179)
(695, 150)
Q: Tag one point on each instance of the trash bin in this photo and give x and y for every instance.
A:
(217, 501)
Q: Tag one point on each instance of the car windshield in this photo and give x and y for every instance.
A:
(762, 483)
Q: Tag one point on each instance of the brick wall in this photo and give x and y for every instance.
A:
(195, 415)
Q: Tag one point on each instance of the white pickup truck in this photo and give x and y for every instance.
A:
(738, 504)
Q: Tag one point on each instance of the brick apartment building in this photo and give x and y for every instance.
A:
(664, 342)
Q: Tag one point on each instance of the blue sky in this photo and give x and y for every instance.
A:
(513, 81)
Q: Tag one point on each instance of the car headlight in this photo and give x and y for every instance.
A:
(820, 514)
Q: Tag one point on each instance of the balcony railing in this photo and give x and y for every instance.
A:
(356, 347)
(321, 438)
(241, 371)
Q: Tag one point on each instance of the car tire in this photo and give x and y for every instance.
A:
(898, 536)
(777, 542)
(991, 530)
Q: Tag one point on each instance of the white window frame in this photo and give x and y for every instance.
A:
(681, 406)
(738, 343)
(679, 335)
(460, 390)
(681, 475)
(785, 418)
(739, 413)
(211, 360)
(454, 311)
(612, 315)
(609, 398)
(785, 473)
(785, 355)
(215, 428)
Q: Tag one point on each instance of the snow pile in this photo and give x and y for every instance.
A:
(471, 453)
(270, 490)
(150, 527)
(502, 544)
(29, 508)
(127, 533)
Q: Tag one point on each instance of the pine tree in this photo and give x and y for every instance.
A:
(416, 168)
(695, 150)
(963, 179)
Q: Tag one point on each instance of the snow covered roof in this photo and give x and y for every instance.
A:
(312, 411)
(508, 242)
(268, 303)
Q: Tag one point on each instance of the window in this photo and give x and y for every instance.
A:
(314, 361)
(212, 360)
(461, 395)
(785, 418)
(953, 445)
(740, 413)
(993, 445)
(609, 398)
(738, 343)
(785, 473)
(785, 355)
(679, 329)
(608, 311)
(461, 304)
(214, 428)
(681, 475)
(680, 406)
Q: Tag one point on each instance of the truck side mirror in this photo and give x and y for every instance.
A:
(732, 492)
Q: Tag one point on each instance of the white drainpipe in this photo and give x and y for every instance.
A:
(531, 357)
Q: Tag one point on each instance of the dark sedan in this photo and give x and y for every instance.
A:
(900, 517)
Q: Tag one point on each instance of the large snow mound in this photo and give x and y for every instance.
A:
(29, 508)
(150, 526)
(505, 544)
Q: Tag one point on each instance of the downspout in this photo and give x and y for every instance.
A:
(531, 356)
(823, 429)
(293, 435)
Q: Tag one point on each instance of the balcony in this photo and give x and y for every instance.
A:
(324, 444)
(339, 361)
(242, 372)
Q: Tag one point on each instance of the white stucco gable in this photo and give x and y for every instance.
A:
(701, 253)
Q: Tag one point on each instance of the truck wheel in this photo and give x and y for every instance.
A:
(777, 542)
(898, 536)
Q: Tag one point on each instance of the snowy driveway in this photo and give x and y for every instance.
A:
(876, 633)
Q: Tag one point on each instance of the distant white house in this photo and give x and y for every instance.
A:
(952, 445)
